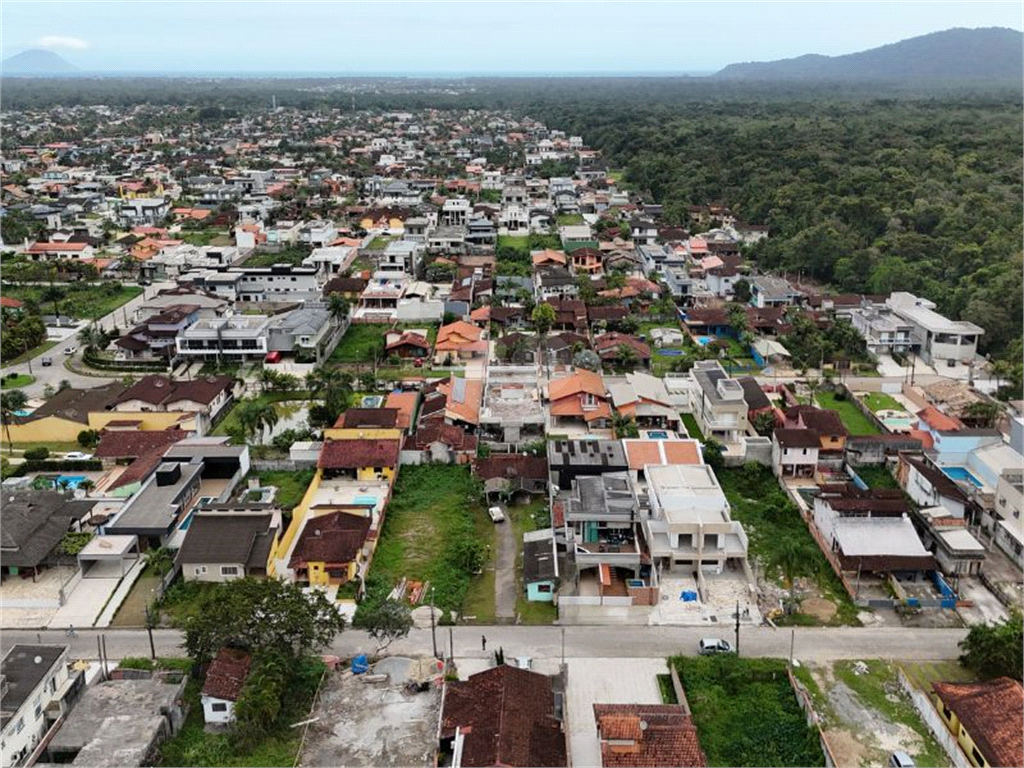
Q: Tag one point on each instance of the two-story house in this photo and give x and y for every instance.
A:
(579, 399)
(34, 688)
(240, 337)
(795, 452)
(601, 519)
(717, 403)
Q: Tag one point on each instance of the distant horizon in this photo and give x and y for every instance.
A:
(460, 39)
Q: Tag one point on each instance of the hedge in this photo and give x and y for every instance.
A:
(53, 465)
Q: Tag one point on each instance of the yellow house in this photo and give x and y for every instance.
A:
(63, 416)
(987, 719)
(366, 459)
(331, 548)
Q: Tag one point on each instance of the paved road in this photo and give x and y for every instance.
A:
(505, 592)
(810, 643)
(53, 374)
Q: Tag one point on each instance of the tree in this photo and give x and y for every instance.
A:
(993, 650)
(543, 317)
(367, 382)
(624, 426)
(587, 359)
(764, 423)
(981, 414)
(333, 386)
(160, 560)
(262, 616)
(338, 306)
(626, 357)
(389, 621)
(53, 294)
(713, 455)
(89, 438)
(10, 402)
(255, 416)
(741, 290)
(791, 559)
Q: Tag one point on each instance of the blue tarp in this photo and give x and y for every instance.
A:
(688, 596)
(360, 664)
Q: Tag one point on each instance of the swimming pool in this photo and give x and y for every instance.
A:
(369, 501)
(668, 352)
(657, 434)
(961, 474)
(704, 340)
(72, 481)
(372, 401)
(22, 412)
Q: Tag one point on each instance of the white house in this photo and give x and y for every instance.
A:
(224, 682)
(1009, 503)
(31, 677)
(795, 452)
(938, 339)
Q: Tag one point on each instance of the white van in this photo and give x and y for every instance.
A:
(496, 515)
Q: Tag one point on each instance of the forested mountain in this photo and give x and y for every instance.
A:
(36, 62)
(953, 55)
(916, 195)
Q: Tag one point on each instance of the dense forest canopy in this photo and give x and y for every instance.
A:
(865, 188)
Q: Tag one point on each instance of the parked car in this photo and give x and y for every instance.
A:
(47, 361)
(77, 456)
(710, 645)
(901, 760)
(496, 515)
(70, 351)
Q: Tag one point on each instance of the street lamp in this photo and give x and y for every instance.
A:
(433, 632)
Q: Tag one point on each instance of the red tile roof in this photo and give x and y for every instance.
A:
(334, 538)
(438, 431)
(993, 714)
(354, 454)
(7, 301)
(661, 735)
(123, 444)
(227, 673)
(507, 716)
(368, 418)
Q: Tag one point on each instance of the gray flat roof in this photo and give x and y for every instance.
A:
(155, 507)
(22, 674)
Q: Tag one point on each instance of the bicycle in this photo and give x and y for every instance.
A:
(71, 632)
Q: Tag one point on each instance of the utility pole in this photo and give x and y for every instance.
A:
(737, 628)
(149, 629)
(563, 646)
(451, 646)
(792, 641)
(433, 633)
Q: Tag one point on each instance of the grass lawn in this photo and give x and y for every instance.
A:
(379, 243)
(568, 219)
(435, 510)
(668, 691)
(691, 426)
(53, 447)
(746, 713)
(852, 418)
(132, 611)
(291, 486)
(879, 401)
(772, 521)
(877, 477)
(229, 423)
(199, 237)
(13, 382)
(81, 300)
(32, 353)
(519, 242)
(879, 690)
(293, 256)
(359, 342)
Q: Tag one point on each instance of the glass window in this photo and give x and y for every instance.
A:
(229, 570)
(219, 706)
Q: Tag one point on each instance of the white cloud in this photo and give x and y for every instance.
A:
(58, 41)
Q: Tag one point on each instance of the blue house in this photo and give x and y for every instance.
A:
(540, 565)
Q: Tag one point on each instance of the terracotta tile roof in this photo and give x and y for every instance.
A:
(411, 339)
(579, 382)
(993, 714)
(226, 675)
(159, 390)
(507, 716)
(797, 438)
(405, 404)
(334, 538)
(824, 422)
(436, 430)
(7, 301)
(938, 420)
(456, 335)
(354, 454)
(661, 735)
(462, 399)
(123, 444)
(368, 418)
(640, 452)
(607, 344)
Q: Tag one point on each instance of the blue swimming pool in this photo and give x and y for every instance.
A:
(22, 412)
(657, 434)
(187, 521)
(669, 352)
(961, 474)
(365, 500)
(72, 481)
(704, 340)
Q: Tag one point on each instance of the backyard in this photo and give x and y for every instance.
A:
(866, 715)
(84, 301)
(435, 530)
(525, 519)
(855, 421)
(291, 486)
(779, 539)
(360, 342)
(293, 256)
(877, 477)
(879, 401)
(746, 712)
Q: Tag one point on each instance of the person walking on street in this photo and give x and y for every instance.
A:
(483, 642)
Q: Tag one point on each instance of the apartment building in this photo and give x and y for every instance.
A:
(937, 339)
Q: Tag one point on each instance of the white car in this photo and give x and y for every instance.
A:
(712, 645)
(77, 456)
(496, 515)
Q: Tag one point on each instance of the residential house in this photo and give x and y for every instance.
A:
(455, 400)
(123, 443)
(401, 257)
(1009, 531)
(32, 526)
(408, 345)
(405, 404)
(348, 287)
(317, 233)
(883, 330)
(579, 399)
(687, 525)
(938, 340)
(236, 338)
(600, 527)
(41, 251)
(224, 543)
(986, 719)
(225, 678)
(504, 716)
(439, 442)
(554, 282)
(717, 403)
(204, 396)
(154, 338)
(459, 341)
(826, 423)
(359, 459)
(608, 347)
(644, 399)
(331, 548)
(929, 486)
(647, 736)
(540, 566)
(512, 476)
(587, 261)
(562, 348)
(768, 291)
(871, 531)
(143, 210)
(795, 452)
(310, 333)
(36, 690)
(518, 348)
(957, 551)
(63, 416)
(571, 459)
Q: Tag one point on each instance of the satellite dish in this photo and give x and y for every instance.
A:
(38, 659)
(643, 725)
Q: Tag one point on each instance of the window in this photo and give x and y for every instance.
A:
(544, 588)
(200, 569)
(21, 725)
(229, 570)
(219, 706)
(977, 757)
(39, 710)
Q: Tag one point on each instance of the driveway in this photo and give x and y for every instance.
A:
(505, 591)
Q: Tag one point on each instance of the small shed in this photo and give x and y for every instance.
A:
(540, 565)
(225, 679)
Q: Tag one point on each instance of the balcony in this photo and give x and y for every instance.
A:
(624, 553)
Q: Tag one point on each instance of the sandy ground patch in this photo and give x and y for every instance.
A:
(820, 608)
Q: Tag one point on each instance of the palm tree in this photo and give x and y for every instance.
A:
(333, 386)
(254, 417)
(54, 294)
(791, 560)
(626, 357)
(86, 485)
(10, 402)
(338, 306)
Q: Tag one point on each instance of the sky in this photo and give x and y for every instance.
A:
(476, 37)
